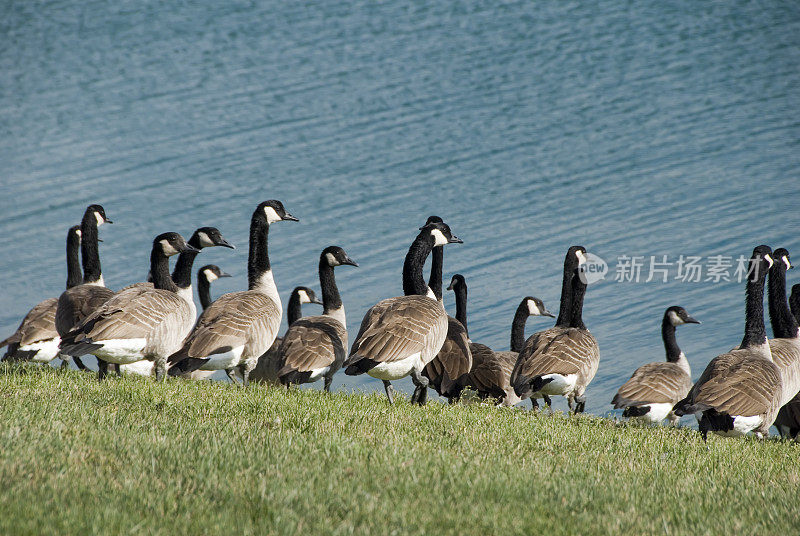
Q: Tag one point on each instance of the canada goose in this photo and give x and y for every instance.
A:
(315, 346)
(78, 302)
(654, 388)
(240, 326)
(740, 391)
(267, 367)
(491, 371)
(140, 322)
(785, 346)
(399, 336)
(564, 359)
(205, 276)
(36, 339)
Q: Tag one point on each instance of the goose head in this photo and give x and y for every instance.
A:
(456, 282)
(208, 237)
(306, 295)
(171, 244)
(99, 214)
(273, 211)
(212, 272)
(677, 315)
(536, 307)
(336, 256)
(439, 234)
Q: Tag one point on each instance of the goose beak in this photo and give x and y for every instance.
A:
(289, 217)
(224, 243)
(455, 240)
(99, 239)
(224, 274)
(350, 261)
(189, 249)
(449, 287)
(691, 320)
(317, 301)
(548, 313)
(107, 220)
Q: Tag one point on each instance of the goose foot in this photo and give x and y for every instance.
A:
(389, 391)
(232, 377)
(581, 403)
(420, 395)
(327, 386)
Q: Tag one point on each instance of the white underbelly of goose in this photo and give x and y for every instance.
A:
(138, 368)
(397, 369)
(318, 373)
(225, 360)
(121, 351)
(741, 426)
(560, 384)
(658, 412)
(46, 351)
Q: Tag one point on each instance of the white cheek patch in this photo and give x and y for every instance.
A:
(581, 257)
(331, 259)
(210, 276)
(78, 232)
(786, 261)
(769, 260)
(533, 309)
(272, 216)
(168, 248)
(99, 218)
(205, 241)
(304, 295)
(675, 319)
(438, 237)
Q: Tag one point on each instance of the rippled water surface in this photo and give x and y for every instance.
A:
(633, 129)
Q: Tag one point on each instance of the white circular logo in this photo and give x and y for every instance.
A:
(593, 270)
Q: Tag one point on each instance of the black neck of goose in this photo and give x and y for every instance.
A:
(754, 332)
(413, 282)
(258, 256)
(670, 341)
(74, 276)
(784, 324)
(435, 281)
(182, 274)
(564, 308)
(159, 267)
(90, 254)
(578, 292)
(460, 291)
(294, 310)
(518, 327)
(203, 290)
(794, 302)
(330, 292)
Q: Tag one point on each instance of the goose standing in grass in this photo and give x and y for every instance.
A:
(140, 322)
(740, 391)
(315, 346)
(454, 360)
(785, 346)
(564, 359)
(204, 237)
(788, 420)
(399, 336)
(205, 276)
(36, 339)
(655, 388)
(266, 370)
(491, 371)
(240, 326)
(78, 302)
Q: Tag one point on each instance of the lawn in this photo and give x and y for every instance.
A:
(133, 456)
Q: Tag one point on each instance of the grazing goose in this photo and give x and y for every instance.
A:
(78, 302)
(36, 339)
(240, 326)
(740, 391)
(564, 359)
(140, 322)
(399, 336)
(454, 360)
(491, 371)
(315, 346)
(204, 237)
(266, 370)
(205, 276)
(654, 388)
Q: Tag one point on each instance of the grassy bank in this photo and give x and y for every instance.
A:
(130, 456)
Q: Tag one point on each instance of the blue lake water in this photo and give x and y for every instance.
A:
(634, 129)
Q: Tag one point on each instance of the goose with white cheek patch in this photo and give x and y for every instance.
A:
(36, 339)
(654, 388)
(561, 360)
(266, 370)
(399, 336)
(78, 302)
(205, 276)
(315, 346)
(140, 322)
(785, 346)
(490, 375)
(204, 237)
(740, 391)
(240, 326)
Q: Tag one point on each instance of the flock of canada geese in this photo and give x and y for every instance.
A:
(150, 328)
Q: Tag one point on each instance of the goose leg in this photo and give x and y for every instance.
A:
(420, 395)
(581, 403)
(389, 391)
(232, 376)
(161, 368)
(547, 402)
(328, 381)
(102, 369)
(64, 362)
(534, 403)
(118, 369)
(79, 363)
(571, 403)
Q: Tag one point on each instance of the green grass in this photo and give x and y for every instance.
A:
(132, 456)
